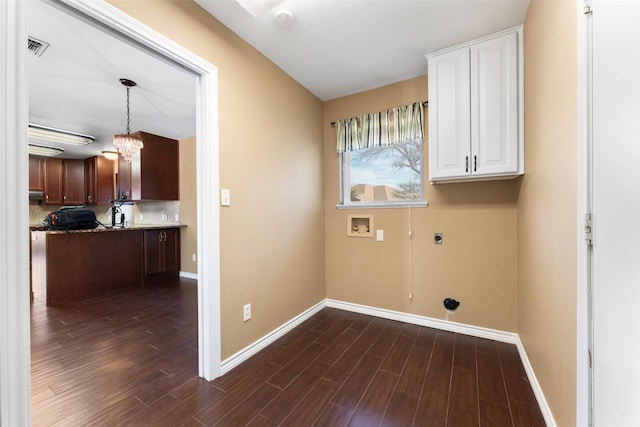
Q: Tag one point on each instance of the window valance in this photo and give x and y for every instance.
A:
(393, 126)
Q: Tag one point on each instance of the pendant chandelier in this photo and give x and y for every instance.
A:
(128, 145)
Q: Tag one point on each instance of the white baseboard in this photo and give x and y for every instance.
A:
(445, 325)
(535, 385)
(188, 275)
(239, 357)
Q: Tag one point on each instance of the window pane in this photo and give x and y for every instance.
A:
(390, 173)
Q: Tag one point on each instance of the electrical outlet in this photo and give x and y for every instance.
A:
(193, 257)
(177, 217)
(246, 312)
(165, 217)
(140, 217)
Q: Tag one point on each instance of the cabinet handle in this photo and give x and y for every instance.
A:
(466, 164)
(475, 163)
(64, 198)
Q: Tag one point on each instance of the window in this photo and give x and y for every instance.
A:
(383, 175)
(381, 156)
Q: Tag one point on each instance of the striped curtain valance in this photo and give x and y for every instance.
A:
(392, 126)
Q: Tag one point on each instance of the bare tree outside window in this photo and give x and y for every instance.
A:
(387, 173)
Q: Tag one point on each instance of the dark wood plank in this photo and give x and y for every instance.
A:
(313, 404)
(333, 416)
(414, 372)
(351, 391)
(463, 401)
(278, 409)
(397, 355)
(490, 379)
(493, 415)
(375, 400)
(246, 410)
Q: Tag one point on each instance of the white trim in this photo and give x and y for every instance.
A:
(188, 275)
(207, 168)
(583, 373)
(535, 386)
(444, 325)
(15, 358)
(244, 354)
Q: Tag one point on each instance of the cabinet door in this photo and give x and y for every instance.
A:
(449, 114)
(171, 249)
(123, 181)
(90, 184)
(99, 180)
(73, 182)
(152, 252)
(494, 106)
(36, 173)
(53, 182)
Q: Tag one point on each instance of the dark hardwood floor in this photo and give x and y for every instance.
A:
(130, 359)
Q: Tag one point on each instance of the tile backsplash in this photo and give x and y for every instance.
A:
(144, 213)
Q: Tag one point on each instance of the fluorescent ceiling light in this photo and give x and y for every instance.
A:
(110, 155)
(258, 7)
(44, 133)
(44, 150)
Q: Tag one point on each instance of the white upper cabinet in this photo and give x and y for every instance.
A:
(475, 110)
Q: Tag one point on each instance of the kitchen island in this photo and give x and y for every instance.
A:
(72, 265)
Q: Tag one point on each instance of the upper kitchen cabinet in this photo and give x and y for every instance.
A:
(99, 180)
(154, 173)
(63, 182)
(36, 173)
(476, 110)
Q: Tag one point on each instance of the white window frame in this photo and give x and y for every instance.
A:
(345, 190)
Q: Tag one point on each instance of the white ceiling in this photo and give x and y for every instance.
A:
(334, 48)
(340, 47)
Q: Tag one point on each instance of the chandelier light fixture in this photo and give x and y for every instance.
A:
(128, 145)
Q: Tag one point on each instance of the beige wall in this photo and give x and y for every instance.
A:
(476, 264)
(272, 235)
(188, 206)
(547, 204)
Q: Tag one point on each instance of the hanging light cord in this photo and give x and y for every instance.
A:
(128, 114)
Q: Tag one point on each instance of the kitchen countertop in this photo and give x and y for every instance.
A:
(101, 229)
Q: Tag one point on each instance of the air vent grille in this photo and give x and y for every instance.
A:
(36, 47)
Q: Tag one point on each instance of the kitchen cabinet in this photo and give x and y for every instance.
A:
(99, 173)
(36, 173)
(154, 173)
(103, 262)
(63, 182)
(476, 110)
(161, 254)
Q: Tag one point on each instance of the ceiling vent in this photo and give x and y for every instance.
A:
(36, 47)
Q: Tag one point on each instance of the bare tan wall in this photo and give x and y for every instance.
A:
(272, 236)
(547, 204)
(188, 206)
(476, 264)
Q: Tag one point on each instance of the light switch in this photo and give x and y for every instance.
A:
(225, 197)
(380, 235)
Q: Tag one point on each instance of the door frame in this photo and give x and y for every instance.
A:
(14, 249)
(584, 378)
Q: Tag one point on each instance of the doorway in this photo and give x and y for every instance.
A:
(14, 334)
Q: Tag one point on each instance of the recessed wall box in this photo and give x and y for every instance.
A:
(360, 226)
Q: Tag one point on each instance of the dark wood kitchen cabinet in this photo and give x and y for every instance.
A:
(103, 261)
(63, 182)
(153, 174)
(36, 173)
(99, 174)
(53, 192)
(161, 255)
